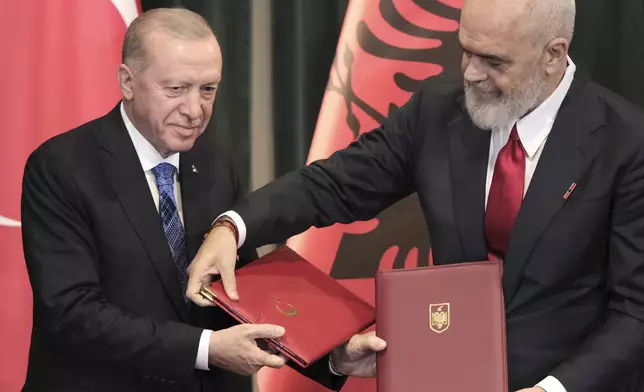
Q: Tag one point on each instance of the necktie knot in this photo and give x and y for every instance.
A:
(164, 173)
(514, 135)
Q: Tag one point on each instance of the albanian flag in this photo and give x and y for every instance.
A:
(386, 49)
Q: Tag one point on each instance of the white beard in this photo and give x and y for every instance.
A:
(490, 109)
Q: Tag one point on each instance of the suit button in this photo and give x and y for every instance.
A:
(146, 377)
(171, 381)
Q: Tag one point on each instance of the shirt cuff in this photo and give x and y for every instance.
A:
(551, 384)
(239, 222)
(202, 352)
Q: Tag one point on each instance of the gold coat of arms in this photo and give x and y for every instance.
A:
(439, 317)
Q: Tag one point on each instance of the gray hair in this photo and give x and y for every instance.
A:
(552, 19)
(178, 22)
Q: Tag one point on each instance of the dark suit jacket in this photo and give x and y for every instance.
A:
(108, 309)
(574, 272)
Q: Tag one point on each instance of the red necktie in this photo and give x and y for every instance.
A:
(506, 195)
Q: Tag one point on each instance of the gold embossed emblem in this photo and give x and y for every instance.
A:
(285, 308)
(439, 317)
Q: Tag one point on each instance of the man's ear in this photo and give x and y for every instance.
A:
(556, 54)
(126, 80)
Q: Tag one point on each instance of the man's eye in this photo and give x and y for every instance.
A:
(176, 89)
(494, 63)
(209, 89)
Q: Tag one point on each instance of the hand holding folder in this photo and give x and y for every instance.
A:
(358, 357)
(284, 289)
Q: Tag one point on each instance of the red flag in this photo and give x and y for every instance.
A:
(59, 67)
(386, 49)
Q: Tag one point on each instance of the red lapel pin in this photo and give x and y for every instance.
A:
(569, 191)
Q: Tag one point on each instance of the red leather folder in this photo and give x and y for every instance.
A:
(282, 288)
(444, 327)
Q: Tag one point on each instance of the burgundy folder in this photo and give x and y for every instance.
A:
(444, 327)
(282, 288)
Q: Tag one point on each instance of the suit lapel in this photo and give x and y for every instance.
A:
(469, 150)
(570, 148)
(123, 169)
(196, 177)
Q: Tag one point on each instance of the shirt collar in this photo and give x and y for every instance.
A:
(534, 128)
(148, 155)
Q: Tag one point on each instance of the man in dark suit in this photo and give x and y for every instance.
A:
(525, 160)
(112, 213)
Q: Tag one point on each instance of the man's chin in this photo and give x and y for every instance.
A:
(184, 145)
(485, 119)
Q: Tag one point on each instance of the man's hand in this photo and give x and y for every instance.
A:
(357, 358)
(235, 348)
(217, 256)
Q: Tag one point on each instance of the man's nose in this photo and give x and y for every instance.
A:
(473, 72)
(191, 107)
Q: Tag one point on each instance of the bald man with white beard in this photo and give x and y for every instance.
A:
(525, 160)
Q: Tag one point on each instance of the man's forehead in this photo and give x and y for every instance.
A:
(159, 40)
(485, 32)
(493, 18)
(168, 50)
(481, 43)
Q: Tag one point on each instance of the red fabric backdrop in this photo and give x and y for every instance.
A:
(59, 61)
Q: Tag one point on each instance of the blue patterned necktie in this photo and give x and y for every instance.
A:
(164, 175)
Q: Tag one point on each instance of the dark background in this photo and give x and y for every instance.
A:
(608, 45)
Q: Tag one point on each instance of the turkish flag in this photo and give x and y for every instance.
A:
(386, 49)
(59, 63)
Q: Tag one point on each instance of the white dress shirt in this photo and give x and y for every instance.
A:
(533, 130)
(150, 158)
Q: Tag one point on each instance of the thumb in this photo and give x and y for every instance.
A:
(265, 331)
(362, 344)
(273, 361)
(227, 273)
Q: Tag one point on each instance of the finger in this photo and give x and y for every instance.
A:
(272, 361)
(193, 287)
(202, 301)
(198, 273)
(375, 343)
(227, 271)
(361, 344)
(264, 331)
(197, 297)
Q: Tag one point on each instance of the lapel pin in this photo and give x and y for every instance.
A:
(194, 169)
(569, 191)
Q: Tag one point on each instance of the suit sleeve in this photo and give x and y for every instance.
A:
(614, 353)
(69, 307)
(353, 184)
(321, 373)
